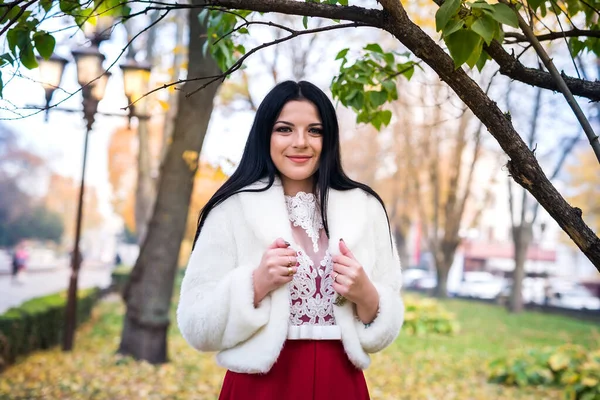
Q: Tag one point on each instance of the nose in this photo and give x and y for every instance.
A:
(300, 139)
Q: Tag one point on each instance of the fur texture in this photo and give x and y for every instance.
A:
(216, 310)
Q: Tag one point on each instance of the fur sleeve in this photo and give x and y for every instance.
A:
(387, 278)
(216, 306)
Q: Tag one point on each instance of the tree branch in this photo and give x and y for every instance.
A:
(240, 61)
(585, 124)
(523, 166)
(519, 37)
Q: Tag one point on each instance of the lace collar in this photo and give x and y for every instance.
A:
(303, 211)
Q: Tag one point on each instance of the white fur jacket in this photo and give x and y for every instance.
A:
(216, 309)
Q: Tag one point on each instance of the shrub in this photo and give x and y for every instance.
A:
(569, 366)
(38, 323)
(423, 316)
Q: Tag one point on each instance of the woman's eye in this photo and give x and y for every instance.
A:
(316, 131)
(284, 129)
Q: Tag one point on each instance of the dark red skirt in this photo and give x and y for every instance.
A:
(305, 370)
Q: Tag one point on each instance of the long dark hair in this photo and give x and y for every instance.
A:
(256, 161)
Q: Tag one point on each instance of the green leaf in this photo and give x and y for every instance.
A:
(305, 22)
(482, 4)
(27, 57)
(68, 6)
(389, 85)
(505, 15)
(243, 31)
(357, 101)
(535, 4)
(7, 58)
(12, 13)
(482, 60)
(240, 48)
(452, 26)
(445, 13)
(377, 98)
(408, 68)
(17, 38)
(343, 2)
(474, 57)
(46, 4)
(374, 47)
(576, 46)
(386, 117)
(1, 85)
(461, 44)
(202, 16)
(485, 27)
(44, 43)
(342, 53)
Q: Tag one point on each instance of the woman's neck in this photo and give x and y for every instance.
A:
(292, 187)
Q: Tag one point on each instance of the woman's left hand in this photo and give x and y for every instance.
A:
(351, 281)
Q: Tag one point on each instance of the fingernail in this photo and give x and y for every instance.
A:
(341, 240)
(287, 243)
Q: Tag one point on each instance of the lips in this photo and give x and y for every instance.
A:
(299, 159)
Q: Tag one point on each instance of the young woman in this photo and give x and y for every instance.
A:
(294, 277)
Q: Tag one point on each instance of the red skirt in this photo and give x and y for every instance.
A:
(305, 370)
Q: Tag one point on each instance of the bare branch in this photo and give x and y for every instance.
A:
(593, 138)
(240, 61)
(519, 37)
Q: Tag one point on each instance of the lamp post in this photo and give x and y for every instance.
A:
(93, 80)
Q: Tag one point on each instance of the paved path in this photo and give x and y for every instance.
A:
(36, 284)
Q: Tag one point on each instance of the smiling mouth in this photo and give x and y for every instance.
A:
(299, 159)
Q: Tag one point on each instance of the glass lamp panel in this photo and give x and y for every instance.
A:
(89, 64)
(99, 87)
(51, 71)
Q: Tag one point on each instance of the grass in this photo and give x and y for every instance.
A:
(431, 367)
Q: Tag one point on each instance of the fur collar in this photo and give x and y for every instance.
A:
(266, 213)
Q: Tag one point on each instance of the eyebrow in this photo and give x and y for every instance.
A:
(290, 124)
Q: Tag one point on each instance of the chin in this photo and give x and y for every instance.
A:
(298, 175)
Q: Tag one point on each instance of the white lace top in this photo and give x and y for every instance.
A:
(311, 290)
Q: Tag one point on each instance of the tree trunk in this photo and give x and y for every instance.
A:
(150, 288)
(442, 267)
(522, 236)
(401, 246)
(144, 191)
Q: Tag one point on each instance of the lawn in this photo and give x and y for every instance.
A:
(432, 367)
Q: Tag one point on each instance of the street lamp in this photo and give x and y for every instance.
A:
(93, 80)
(51, 72)
(135, 81)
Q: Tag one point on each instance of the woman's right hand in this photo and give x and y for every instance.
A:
(277, 267)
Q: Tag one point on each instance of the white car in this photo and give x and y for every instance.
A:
(577, 297)
(482, 285)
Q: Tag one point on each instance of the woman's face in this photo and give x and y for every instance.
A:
(296, 143)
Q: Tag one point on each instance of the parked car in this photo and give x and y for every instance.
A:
(411, 275)
(532, 291)
(577, 297)
(480, 284)
(425, 283)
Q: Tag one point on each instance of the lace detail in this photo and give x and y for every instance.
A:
(302, 211)
(311, 292)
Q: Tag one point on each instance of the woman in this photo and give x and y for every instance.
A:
(292, 308)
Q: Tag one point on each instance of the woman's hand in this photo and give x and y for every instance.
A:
(277, 267)
(351, 281)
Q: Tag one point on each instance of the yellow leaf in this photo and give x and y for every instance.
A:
(590, 382)
(164, 104)
(558, 361)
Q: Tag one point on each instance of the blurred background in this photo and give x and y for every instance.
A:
(464, 228)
